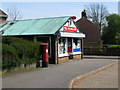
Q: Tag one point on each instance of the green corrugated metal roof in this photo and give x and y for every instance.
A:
(34, 26)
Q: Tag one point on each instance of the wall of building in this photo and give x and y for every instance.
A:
(66, 58)
(63, 59)
(93, 45)
(52, 41)
(2, 20)
(78, 56)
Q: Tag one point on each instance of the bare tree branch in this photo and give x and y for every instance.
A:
(97, 13)
(14, 14)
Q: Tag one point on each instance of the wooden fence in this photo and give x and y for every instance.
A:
(102, 51)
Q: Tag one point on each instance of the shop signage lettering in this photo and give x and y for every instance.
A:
(73, 29)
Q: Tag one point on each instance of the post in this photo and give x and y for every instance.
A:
(56, 49)
(82, 48)
(44, 47)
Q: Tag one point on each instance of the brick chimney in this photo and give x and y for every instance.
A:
(83, 14)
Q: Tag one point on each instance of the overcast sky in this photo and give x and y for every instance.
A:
(30, 10)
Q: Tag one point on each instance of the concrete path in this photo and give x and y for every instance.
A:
(58, 76)
(101, 57)
(107, 78)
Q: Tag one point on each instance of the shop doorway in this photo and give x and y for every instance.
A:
(69, 45)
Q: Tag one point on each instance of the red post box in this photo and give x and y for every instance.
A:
(44, 51)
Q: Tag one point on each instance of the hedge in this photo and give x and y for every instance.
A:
(114, 46)
(17, 52)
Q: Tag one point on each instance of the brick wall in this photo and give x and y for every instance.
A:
(92, 45)
(2, 20)
(63, 59)
(77, 56)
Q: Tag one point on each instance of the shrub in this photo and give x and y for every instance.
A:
(114, 46)
(17, 51)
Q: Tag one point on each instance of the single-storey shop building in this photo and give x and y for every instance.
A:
(64, 40)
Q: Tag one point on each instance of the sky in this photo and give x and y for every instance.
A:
(33, 10)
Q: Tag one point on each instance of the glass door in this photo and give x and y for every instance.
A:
(69, 45)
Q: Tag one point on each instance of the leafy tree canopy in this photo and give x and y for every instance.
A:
(111, 32)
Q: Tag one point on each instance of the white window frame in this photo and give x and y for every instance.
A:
(66, 53)
(74, 53)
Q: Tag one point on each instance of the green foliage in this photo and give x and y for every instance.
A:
(17, 51)
(111, 33)
(114, 46)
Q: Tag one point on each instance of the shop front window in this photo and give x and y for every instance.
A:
(62, 46)
(76, 45)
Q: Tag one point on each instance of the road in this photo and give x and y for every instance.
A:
(57, 76)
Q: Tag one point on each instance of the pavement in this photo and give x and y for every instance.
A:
(101, 57)
(57, 76)
(106, 77)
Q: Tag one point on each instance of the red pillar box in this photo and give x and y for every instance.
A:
(44, 49)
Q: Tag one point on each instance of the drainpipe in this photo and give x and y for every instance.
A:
(82, 48)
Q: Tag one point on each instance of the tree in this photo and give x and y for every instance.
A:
(13, 14)
(97, 12)
(111, 32)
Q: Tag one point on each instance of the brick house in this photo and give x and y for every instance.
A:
(3, 16)
(91, 30)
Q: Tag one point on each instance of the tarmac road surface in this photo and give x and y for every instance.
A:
(58, 76)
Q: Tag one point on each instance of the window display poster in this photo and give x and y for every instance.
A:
(76, 45)
(62, 46)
